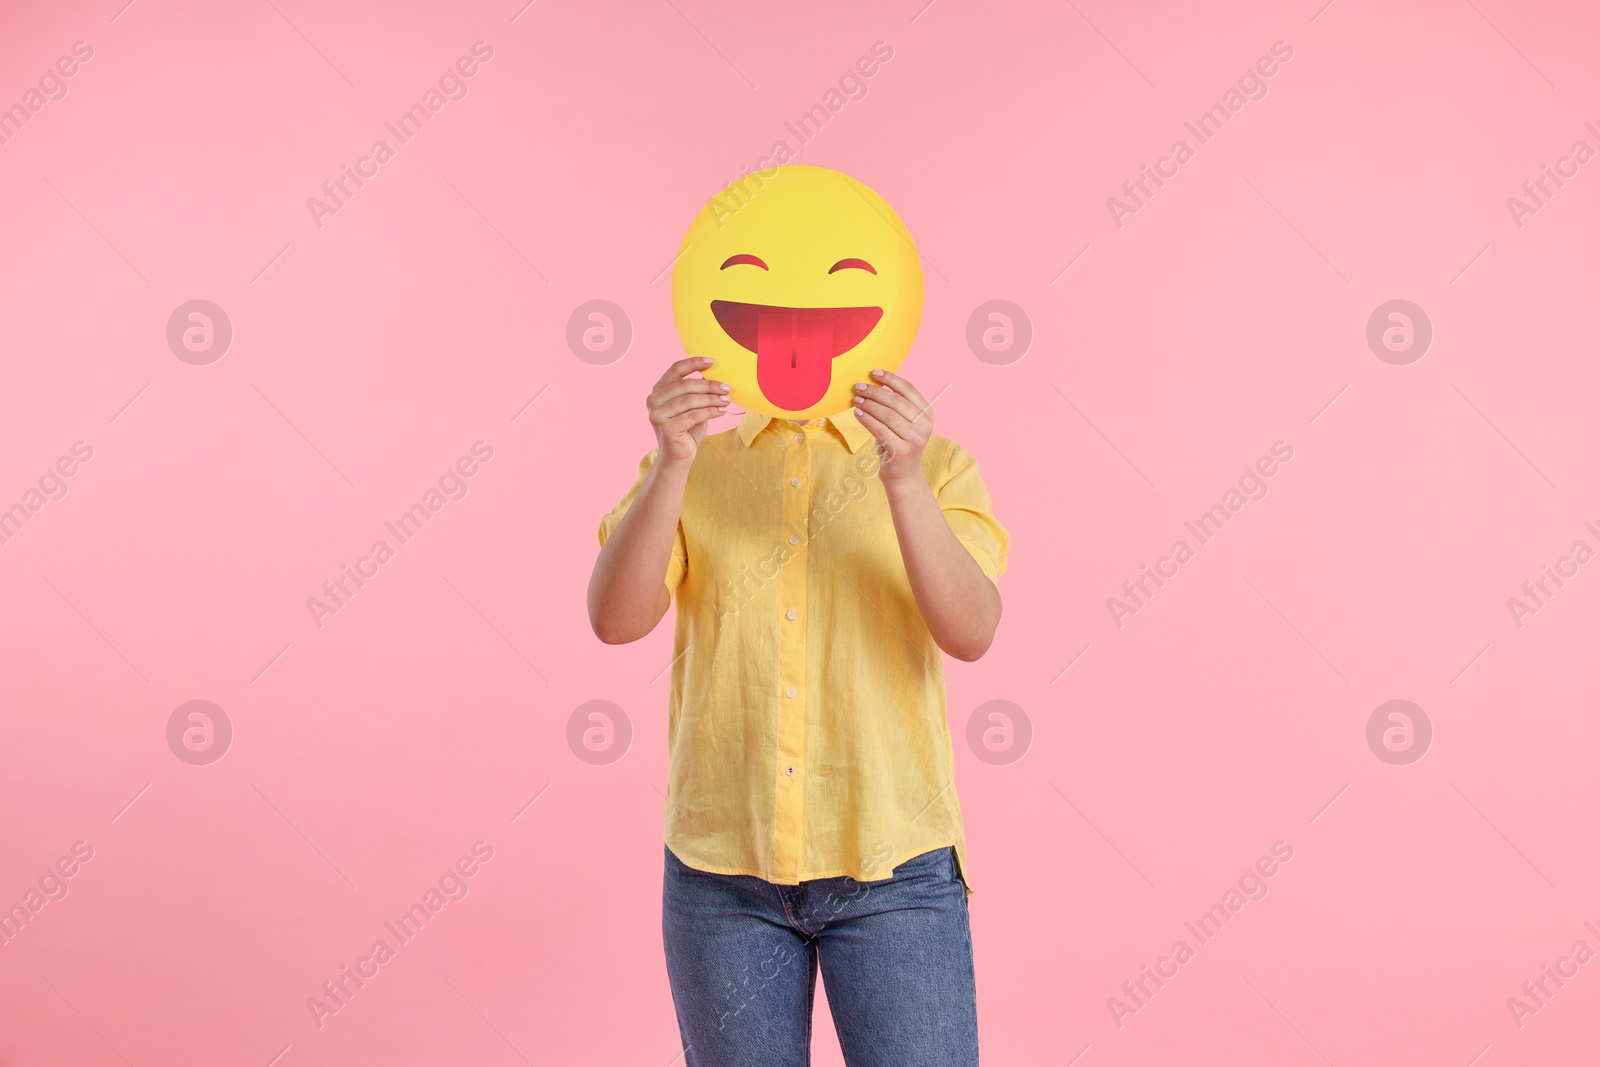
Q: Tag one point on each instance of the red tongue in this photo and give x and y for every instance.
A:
(794, 357)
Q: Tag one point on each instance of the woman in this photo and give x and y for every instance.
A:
(821, 566)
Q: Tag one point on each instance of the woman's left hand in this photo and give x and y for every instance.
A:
(900, 420)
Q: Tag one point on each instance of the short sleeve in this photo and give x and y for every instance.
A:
(608, 523)
(964, 500)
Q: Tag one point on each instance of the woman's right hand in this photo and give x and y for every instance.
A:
(680, 407)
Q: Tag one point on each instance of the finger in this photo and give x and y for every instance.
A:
(655, 404)
(888, 417)
(688, 385)
(886, 438)
(668, 410)
(901, 386)
(684, 367)
(690, 419)
(889, 398)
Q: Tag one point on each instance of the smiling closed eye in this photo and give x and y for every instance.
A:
(856, 264)
(741, 258)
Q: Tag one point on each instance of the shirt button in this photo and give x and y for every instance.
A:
(789, 771)
(792, 693)
(792, 614)
(799, 437)
(794, 481)
(794, 539)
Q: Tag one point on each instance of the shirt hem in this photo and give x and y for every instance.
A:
(957, 846)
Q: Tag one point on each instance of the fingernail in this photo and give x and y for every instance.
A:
(861, 387)
(877, 374)
(707, 360)
(858, 400)
(725, 387)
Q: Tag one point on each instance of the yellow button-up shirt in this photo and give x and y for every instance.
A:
(806, 719)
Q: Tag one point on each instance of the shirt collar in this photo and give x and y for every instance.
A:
(845, 424)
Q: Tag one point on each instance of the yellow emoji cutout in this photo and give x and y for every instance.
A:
(798, 285)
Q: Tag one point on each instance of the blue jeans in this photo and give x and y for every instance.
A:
(743, 953)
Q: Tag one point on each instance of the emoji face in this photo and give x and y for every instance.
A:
(798, 281)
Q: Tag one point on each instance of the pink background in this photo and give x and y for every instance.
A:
(368, 354)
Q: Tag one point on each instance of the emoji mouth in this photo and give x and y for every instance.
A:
(794, 347)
